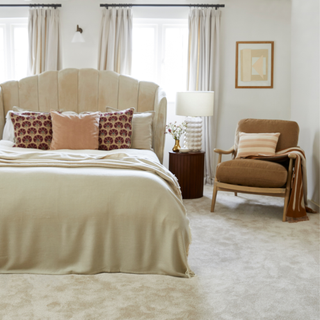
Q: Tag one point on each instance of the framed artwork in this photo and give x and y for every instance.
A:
(254, 64)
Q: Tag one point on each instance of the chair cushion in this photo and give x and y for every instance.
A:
(252, 173)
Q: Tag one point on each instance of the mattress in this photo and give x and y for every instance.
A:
(90, 211)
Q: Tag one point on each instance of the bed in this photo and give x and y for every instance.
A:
(89, 211)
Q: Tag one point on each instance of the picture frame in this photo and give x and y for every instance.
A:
(254, 64)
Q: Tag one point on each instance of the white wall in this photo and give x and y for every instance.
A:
(305, 86)
(10, 12)
(86, 14)
(252, 20)
(241, 20)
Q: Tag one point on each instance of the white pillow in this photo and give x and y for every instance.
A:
(141, 129)
(8, 130)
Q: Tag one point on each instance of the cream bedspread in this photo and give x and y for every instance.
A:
(91, 211)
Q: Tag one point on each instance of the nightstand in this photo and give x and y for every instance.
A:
(189, 169)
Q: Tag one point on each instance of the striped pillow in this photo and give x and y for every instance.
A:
(257, 144)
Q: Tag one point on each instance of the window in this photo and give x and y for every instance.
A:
(160, 53)
(13, 48)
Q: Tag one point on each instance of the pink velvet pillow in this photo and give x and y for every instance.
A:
(75, 131)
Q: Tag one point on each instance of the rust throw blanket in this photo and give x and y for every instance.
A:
(297, 207)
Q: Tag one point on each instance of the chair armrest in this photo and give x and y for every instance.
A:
(221, 152)
(231, 150)
(292, 156)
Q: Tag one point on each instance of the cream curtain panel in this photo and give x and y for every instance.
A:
(44, 46)
(203, 73)
(115, 50)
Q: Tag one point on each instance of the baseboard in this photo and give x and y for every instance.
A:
(313, 205)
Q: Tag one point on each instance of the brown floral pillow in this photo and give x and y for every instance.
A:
(115, 129)
(32, 129)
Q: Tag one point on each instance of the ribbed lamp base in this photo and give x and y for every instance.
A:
(193, 134)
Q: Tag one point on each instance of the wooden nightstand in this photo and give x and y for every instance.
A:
(189, 169)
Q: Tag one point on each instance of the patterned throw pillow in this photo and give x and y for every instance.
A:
(141, 129)
(257, 144)
(32, 129)
(115, 129)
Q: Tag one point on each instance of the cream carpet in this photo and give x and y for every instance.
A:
(249, 265)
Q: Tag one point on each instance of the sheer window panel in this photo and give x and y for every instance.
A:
(13, 48)
(2, 54)
(20, 43)
(174, 64)
(160, 52)
(144, 55)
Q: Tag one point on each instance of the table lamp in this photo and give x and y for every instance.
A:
(193, 105)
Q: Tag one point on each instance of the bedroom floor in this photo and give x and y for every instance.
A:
(249, 265)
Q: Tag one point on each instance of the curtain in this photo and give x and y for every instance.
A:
(115, 50)
(44, 48)
(203, 73)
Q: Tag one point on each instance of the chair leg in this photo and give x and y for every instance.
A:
(214, 196)
(288, 190)
(236, 194)
(286, 202)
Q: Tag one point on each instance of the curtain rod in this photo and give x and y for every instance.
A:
(31, 5)
(162, 5)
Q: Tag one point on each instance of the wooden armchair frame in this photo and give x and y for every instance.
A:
(274, 192)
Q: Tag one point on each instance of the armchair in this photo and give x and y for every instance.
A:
(258, 176)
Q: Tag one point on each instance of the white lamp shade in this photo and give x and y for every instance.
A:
(78, 37)
(195, 103)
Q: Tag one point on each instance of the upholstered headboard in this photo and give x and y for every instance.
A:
(86, 90)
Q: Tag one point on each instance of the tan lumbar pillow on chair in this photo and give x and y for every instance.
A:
(257, 144)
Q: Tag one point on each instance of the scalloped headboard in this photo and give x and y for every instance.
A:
(86, 90)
